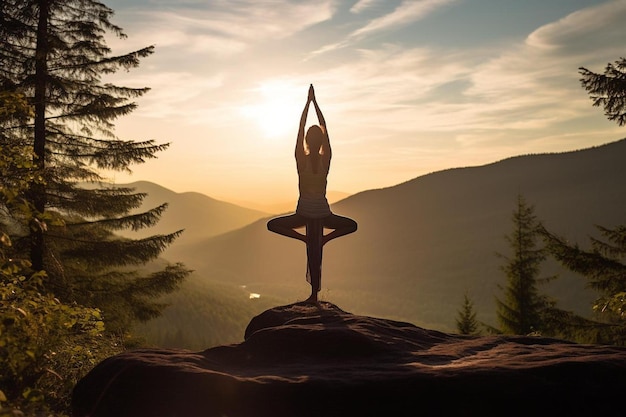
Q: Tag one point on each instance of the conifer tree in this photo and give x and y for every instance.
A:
(54, 51)
(604, 267)
(45, 345)
(466, 319)
(603, 264)
(608, 90)
(520, 312)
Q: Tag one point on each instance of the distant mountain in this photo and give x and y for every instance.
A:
(422, 244)
(201, 216)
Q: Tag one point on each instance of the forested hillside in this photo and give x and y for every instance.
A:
(203, 314)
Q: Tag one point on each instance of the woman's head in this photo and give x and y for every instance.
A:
(314, 138)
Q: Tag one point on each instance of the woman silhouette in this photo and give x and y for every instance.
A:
(313, 212)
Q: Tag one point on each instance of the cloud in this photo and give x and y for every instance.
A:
(406, 13)
(361, 5)
(522, 97)
(534, 84)
(221, 27)
(584, 32)
(177, 95)
(393, 91)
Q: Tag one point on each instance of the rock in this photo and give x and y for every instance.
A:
(301, 360)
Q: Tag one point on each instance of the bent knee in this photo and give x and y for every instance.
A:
(272, 225)
(352, 225)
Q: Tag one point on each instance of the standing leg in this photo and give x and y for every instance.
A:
(314, 235)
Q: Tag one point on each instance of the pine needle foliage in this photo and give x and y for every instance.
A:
(520, 311)
(466, 322)
(608, 90)
(45, 345)
(55, 53)
(603, 265)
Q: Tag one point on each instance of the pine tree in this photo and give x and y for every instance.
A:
(604, 263)
(466, 319)
(520, 312)
(604, 267)
(608, 90)
(45, 345)
(54, 51)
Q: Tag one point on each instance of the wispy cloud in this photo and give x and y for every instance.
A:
(406, 13)
(225, 27)
(517, 99)
(585, 33)
(361, 5)
(175, 95)
(538, 79)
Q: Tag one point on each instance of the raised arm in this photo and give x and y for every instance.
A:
(300, 139)
(326, 151)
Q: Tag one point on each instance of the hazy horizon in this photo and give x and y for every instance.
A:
(288, 204)
(407, 87)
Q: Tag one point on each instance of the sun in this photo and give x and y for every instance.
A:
(276, 110)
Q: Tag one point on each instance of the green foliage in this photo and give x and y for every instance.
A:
(520, 312)
(608, 90)
(604, 266)
(466, 322)
(14, 107)
(102, 273)
(45, 345)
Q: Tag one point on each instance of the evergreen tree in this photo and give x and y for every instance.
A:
(521, 310)
(54, 51)
(608, 90)
(466, 319)
(603, 264)
(605, 269)
(45, 345)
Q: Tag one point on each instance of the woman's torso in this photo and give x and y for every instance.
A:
(312, 185)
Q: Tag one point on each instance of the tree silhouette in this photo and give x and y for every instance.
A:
(603, 263)
(520, 312)
(608, 89)
(466, 319)
(54, 52)
(604, 267)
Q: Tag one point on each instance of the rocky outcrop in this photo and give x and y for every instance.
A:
(301, 360)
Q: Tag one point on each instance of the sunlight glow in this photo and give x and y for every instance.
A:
(277, 110)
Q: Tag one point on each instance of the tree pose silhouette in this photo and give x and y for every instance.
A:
(313, 156)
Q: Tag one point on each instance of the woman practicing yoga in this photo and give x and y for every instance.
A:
(313, 212)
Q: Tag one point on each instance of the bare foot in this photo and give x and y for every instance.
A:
(312, 299)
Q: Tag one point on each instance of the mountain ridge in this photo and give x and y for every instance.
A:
(186, 210)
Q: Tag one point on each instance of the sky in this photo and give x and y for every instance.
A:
(406, 87)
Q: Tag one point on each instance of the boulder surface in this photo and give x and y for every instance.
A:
(304, 360)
